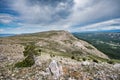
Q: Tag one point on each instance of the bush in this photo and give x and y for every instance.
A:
(30, 51)
(84, 59)
(27, 62)
(72, 57)
(94, 60)
(52, 55)
(110, 62)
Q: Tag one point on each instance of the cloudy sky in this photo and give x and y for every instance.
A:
(28, 16)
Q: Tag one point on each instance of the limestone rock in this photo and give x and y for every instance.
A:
(85, 63)
(37, 61)
(55, 69)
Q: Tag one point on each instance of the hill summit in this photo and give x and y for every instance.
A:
(64, 42)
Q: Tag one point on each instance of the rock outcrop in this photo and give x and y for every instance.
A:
(55, 69)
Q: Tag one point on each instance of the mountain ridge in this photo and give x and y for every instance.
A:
(58, 41)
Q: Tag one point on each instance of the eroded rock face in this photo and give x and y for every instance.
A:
(55, 69)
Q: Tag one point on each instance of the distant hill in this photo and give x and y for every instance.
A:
(6, 35)
(107, 42)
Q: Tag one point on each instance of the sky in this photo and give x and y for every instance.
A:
(29, 16)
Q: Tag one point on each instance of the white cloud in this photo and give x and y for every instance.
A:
(38, 13)
(1, 30)
(31, 14)
(106, 25)
(6, 18)
(40, 17)
(91, 10)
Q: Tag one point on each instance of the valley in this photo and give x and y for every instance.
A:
(107, 42)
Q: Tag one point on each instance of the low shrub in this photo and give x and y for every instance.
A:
(30, 51)
(96, 61)
(84, 59)
(110, 62)
(72, 57)
(52, 55)
(27, 62)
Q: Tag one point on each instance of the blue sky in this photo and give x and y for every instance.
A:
(29, 16)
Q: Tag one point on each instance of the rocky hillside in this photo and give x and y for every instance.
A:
(58, 42)
(61, 68)
(53, 55)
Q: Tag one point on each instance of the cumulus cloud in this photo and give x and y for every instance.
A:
(39, 13)
(64, 14)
